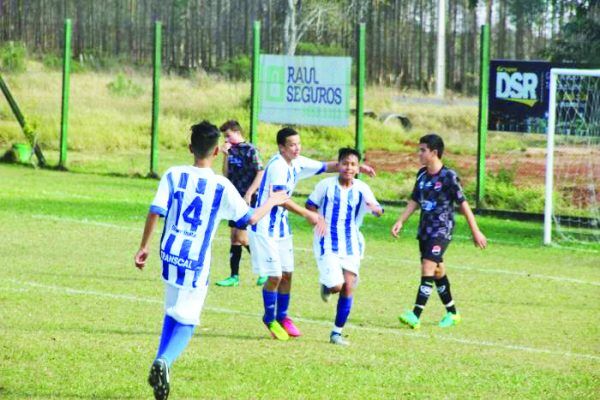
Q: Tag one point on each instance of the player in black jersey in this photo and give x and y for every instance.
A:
(436, 190)
(242, 166)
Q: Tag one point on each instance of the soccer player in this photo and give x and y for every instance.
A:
(242, 166)
(271, 238)
(436, 190)
(343, 201)
(193, 200)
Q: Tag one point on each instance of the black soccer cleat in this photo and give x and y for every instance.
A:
(159, 379)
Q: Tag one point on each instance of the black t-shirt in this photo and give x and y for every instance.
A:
(436, 194)
(243, 163)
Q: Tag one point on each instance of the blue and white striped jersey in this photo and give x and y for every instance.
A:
(343, 210)
(281, 176)
(193, 201)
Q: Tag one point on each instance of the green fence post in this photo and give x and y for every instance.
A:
(254, 88)
(484, 77)
(66, 85)
(155, 97)
(360, 89)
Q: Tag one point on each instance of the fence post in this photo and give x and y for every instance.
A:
(360, 89)
(254, 88)
(484, 77)
(66, 87)
(155, 98)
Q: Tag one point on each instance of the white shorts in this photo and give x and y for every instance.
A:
(271, 257)
(185, 304)
(332, 266)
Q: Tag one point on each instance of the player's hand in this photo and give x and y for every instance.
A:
(318, 222)
(480, 240)
(366, 169)
(377, 210)
(279, 197)
(225, 148)
(397, 228)
(140, 258)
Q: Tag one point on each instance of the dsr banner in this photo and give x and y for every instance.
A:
(518, 95)
(304, 90)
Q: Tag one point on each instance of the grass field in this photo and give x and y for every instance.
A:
(79, 321)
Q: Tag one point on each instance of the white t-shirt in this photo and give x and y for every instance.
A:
(282, 176)
(193, 201)
(343, 210)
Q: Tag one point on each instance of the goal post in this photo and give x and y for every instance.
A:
(574, 108)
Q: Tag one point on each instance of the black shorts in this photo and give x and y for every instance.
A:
(433, 249)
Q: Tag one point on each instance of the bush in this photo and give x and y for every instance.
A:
(52, 61)
(125, 87)
(238, 68)
(316, 49)
(13, 57)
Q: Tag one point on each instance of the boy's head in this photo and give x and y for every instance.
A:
(232, 132)
(348, 162)
(288, 142)
(204, 140)
(430, 146)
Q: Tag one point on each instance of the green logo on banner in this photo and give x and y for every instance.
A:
(275, 84)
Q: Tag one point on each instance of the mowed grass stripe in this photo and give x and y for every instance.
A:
(524, 274)
(376, 329)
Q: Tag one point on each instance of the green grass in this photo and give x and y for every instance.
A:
(79, 321)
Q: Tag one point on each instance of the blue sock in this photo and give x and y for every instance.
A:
(167, 332)
(177, 342)
(269, 300)
(343, 310)
(283, 302)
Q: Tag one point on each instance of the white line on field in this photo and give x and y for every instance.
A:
(523, 274)
(469, 342)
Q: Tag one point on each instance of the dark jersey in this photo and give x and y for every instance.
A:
(436, 195)
(243, 163)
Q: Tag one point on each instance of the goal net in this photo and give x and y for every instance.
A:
(572, 198)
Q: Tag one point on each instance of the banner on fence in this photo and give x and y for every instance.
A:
(518, 95)
(305, 90)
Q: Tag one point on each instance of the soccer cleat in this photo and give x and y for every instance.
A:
(289, 327)
(449, 320)
(261, 280)
(336, 338)
(233, 280)
(277, 330)
(325, 293)
(409, 318)
(159, 379)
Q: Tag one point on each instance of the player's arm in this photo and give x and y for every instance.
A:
(142, 254)
(274, 199)
(225, 150)
(332, 166)
(311, 216)
(376, 209)
(410, 208)
(478, 238)
(254, 186)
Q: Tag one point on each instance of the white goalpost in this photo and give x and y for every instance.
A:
(572, 187)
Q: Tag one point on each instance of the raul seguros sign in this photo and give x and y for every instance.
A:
(304, 90)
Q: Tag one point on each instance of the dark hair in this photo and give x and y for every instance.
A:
(348, 151)
(284, 133)
(433, 142)
(205, 136)
(231, 125)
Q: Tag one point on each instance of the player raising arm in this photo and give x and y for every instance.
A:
(436, 190)
(271, 238)
(193, 200)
